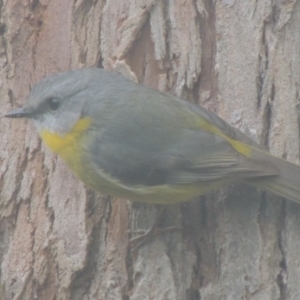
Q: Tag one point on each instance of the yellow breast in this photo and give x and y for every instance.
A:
(68, 146)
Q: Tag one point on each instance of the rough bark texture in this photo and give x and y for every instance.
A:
(58, 240)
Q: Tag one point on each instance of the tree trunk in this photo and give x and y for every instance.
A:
(59, 240)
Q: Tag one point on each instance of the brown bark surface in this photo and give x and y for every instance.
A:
(59, 240)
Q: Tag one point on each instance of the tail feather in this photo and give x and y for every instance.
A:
(286, 184)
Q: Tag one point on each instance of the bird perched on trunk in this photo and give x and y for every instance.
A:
(127, 140)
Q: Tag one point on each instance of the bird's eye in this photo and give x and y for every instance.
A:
(53, 103)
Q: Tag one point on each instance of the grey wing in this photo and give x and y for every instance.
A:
(155, 156)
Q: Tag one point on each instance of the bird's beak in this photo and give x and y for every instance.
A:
(22, 112)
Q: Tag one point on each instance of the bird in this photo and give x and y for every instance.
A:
(128, 140)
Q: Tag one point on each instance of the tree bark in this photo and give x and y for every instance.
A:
(59, 240)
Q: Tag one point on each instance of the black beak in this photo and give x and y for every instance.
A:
(22, 112)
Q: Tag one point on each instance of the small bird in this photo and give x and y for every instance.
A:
(127, 140)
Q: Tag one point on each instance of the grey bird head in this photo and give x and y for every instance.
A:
(57, 102)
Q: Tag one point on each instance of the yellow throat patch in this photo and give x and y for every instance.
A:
(67, 145)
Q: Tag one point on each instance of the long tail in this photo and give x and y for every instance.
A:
(286, 184)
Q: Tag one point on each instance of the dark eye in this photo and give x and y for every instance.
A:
(53, 103)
